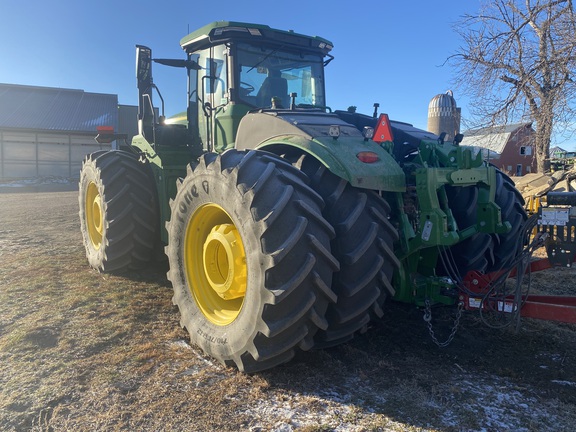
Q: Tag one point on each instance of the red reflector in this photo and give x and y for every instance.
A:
(383, 130)
(368, 157)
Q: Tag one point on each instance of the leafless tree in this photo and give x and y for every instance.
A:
(517, 62)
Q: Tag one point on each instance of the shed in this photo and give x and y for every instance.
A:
(47, 131)
(509, 147)
(557, 152)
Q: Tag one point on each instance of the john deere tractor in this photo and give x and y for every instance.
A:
(288, 225)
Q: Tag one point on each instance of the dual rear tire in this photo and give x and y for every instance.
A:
(364, 247)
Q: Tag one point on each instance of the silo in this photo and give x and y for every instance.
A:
(444, 115)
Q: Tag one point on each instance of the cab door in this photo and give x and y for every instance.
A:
(212, 97)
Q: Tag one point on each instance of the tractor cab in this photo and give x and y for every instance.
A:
(234, 68)
(243, 67)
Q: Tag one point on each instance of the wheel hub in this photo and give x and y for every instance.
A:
(215, 264)
(94, 220)
(224, 262)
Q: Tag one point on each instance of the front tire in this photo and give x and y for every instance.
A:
(250, 259)
(118, 211)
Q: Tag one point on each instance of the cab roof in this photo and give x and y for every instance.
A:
(220, 32)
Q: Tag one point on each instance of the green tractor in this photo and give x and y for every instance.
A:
(287, 225)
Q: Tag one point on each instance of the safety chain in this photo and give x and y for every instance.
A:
(428, 319)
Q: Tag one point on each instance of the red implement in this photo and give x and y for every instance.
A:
(545, 307)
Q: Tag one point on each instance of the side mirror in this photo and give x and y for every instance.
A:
(143, 67)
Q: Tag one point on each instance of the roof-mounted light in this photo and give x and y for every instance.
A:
(368, 132)
(334, 131)
(253, 31)
(324, 45)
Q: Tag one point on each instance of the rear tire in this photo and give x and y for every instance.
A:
(363, 246)
(474, 253)
(487, 252)
(250, 259)
(508, 246)
(118, 211)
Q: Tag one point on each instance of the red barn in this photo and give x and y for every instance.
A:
(510, 148)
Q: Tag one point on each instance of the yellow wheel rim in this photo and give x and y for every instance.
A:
(93, 213)
(215, 264)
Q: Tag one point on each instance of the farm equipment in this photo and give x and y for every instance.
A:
(554, 227)
(286, 224)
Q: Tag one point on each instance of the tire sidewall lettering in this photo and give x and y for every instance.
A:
(188, 197)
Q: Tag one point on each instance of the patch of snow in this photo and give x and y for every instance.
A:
(289, 412)
(554, 357)
(492, 403)
(499, 406)
(567, 383)
(341, 408)
(37, 181)
(181, 344)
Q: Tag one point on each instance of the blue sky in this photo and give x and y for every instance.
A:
(385, 51)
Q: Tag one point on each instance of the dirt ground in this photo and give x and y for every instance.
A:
(84, 351)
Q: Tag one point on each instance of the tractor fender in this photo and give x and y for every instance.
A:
(308, 131)
(339, 156)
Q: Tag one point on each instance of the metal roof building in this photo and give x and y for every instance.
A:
(492, 138)
(47, 131)
(509, 147)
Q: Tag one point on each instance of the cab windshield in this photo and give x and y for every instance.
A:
(267, 73)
